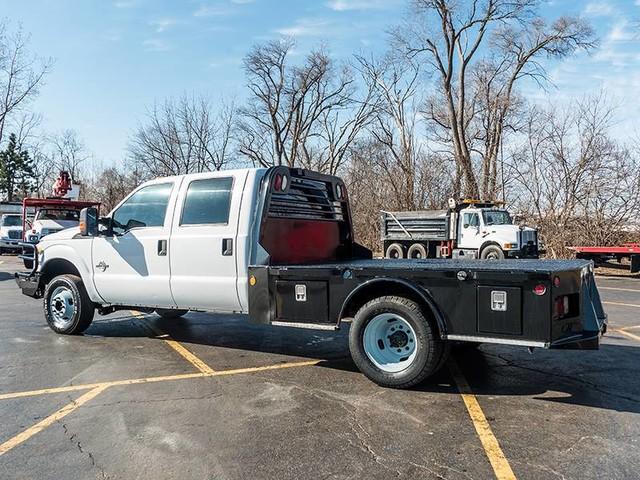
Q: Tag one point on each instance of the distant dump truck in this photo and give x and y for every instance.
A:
(467, 229)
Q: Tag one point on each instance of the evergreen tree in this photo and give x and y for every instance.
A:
(16, 170)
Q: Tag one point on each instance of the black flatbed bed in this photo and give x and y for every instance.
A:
(440, 265)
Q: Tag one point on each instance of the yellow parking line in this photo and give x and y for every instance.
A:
(178, 347)
(164, 378)
(41, 425)
(619, 289)
(627, 334)
(499, 462)
(622, 304)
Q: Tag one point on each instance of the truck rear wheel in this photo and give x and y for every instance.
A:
(492, 252)
(416, 251)
(395, 250)
(394, 344)
(67, 307)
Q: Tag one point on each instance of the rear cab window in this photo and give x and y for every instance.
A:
(207, 202)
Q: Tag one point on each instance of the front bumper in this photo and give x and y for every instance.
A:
(527, 251)
(29, 283)
(10, 243)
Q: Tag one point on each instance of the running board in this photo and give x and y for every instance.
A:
(308, 326)
(501, 341)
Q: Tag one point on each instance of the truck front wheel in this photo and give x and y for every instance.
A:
(492, 252)
(394, 344)
(67, 307)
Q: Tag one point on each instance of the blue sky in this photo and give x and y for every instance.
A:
(114, 58)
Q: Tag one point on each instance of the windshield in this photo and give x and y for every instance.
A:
(496, 217)
(12, 221)
(67, 215)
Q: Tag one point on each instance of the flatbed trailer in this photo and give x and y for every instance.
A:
(599, 255)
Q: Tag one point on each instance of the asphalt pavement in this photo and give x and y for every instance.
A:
(213, 397)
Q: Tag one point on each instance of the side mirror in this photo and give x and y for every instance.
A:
(89, 222)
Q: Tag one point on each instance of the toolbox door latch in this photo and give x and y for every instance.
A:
(498, 301)
(301, 293)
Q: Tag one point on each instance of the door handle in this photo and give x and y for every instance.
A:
(227, 247)
(162, 248)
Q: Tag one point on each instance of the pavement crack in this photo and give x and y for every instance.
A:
(73, 438)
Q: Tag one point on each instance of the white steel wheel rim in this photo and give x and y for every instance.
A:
(390, 342)
(62, 307)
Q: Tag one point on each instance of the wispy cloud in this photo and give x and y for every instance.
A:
(216, 10)
(244, 2)
(124, 3)
(599, 9)
(155, 45)
(347, 5)
(163, 24)
(305, 27)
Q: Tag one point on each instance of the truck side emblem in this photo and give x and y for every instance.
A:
(102, 266)
(301, 293)
(498, 301)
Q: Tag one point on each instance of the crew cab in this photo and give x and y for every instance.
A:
(277, 245)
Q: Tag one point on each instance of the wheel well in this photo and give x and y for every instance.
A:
(486, 244)
(381, 288)
(55, 267)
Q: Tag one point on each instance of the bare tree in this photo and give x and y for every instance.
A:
(184, 136)
(68, 153)
(572, 179)
(396, 122)
(299, 115)
(451, 37)
(21, 75)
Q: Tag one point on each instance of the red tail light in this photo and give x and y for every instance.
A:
(540, 290)
(277, 182)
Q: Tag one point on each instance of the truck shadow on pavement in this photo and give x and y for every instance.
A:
(5, 276)
(607, 378)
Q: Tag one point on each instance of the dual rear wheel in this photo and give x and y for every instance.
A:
(398, 251)
(394, 343)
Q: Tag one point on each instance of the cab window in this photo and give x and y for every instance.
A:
(12, 221)
(207, 202)
(471, 220)
(145, 208)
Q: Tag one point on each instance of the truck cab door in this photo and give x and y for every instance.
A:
(469, 229)
(132, 266)
(204, 242)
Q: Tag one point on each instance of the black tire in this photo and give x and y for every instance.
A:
(79, 309)
(430, 349)
(417, 251)
(169, 313)
(492, 252)
(395, 251)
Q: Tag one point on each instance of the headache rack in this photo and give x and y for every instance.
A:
(306, 199)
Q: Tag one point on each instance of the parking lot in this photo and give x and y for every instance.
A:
(213, 397)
